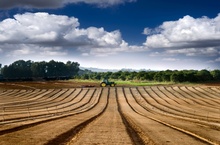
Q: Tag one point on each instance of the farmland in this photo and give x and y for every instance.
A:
(61, 114)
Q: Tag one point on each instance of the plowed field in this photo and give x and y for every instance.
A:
(184, 115)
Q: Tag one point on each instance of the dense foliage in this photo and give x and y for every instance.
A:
(159, 76)
(47, 70)
(24, 70)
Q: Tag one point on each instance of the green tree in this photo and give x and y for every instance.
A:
(177, 76)
(72, 68)
(39, 69)
(215, 75)
(131, 76)
(158, 77)
(204, 75)
(18, 69)
(142, 75)
(27, 69)
(116, 75)
(190, 75)
(166, 75)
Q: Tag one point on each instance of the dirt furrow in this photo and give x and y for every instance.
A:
(49, 132)
(206, 96)
(156, 105)
(179, 131)
(107, 129)
(188, 109)
(81, 101)
(113, 115)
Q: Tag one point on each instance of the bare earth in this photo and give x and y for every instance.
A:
(50, 113)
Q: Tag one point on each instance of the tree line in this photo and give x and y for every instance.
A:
(54, 70)
(29, 70)
(159, 76)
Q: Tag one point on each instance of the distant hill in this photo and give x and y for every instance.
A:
(112, 70)
(98, 69)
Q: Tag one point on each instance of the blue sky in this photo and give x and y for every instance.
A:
(113, 34)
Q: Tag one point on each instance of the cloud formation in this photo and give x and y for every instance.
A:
(49, 34)
(189, 36)
(7, 4)
(52, 35)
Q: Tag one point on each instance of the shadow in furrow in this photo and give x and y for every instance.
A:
(70, 134)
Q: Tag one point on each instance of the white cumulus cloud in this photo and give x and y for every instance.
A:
(188, 35)
(147, 31)
(50, 34)
(217, 59)
(170, 59)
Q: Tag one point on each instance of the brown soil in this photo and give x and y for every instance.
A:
(71, 113)
(46, 84)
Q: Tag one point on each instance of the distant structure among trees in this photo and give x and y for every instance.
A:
(29, 70)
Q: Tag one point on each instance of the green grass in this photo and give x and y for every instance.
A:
(127, 83)
(86, 81)
(142, 83)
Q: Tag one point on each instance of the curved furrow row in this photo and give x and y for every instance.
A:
(37, 104)
(43, 96)
(89, 117)
(171, 98)
(185, 130)
(31, 93)
(166, 109)
(179, 95)
(29, 97)
(215, 91)
(213, 112)
(16, 116)
(205, 121)
(187, 112)
(112, 132)
(211, 90)
(182, 106)
(9, 93)
(176, 96)
(5, 103)
(22, 103)
(185, 94)
(192, 96)
(131, 115)
(23, 106)
(130, 119)
(159, 95)
(157, 105)
(22, 94)
(57, 130)
(197, 103)
(54, 100)
(143, 98)
(152, 128)
(37, 120)
(207, 96)
(198, 95)
(172, 106)
(93, 98)
(54, 108)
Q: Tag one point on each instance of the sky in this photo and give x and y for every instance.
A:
(113, 34)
